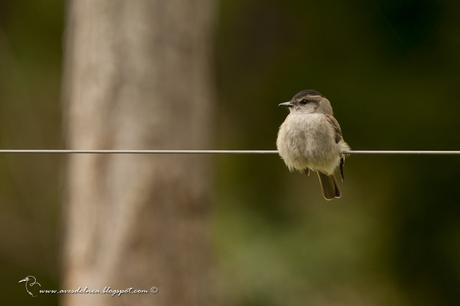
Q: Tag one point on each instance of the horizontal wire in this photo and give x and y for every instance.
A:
(223, 152)
(402, 152)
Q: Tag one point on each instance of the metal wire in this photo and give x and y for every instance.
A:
(220, 152)
(403, 152)
(69, 151)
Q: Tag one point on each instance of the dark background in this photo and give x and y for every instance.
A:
(392, 71)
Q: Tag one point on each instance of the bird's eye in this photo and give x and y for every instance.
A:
(303, 102)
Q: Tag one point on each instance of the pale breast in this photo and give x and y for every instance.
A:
(307, 141)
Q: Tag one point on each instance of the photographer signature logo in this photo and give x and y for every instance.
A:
(33, 286)
(29, 282)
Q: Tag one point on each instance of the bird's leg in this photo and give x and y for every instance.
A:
(307, 171)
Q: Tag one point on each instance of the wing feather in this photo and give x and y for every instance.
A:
(335, 124)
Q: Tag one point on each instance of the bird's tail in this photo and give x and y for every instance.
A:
(329, 186)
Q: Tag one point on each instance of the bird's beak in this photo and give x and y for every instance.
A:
(24, 280)
(288, 104)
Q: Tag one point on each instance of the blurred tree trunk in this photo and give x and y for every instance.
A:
(137, 76)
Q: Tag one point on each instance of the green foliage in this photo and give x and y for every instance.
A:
(30, 116)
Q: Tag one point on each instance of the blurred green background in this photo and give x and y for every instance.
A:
(392, 71)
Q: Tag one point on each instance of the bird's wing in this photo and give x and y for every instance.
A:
(338, 137)
(336, 126)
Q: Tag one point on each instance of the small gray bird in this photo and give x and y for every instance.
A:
(311, 139)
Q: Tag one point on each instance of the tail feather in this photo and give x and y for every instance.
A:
(342, 162)
(329, 186)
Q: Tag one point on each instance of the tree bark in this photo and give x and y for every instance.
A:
(137, 76)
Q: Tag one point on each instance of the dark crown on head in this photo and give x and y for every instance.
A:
(307, 92)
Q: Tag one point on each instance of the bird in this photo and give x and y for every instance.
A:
(30, 281)
(310, 139)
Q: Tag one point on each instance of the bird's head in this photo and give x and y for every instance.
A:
(308, 101)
